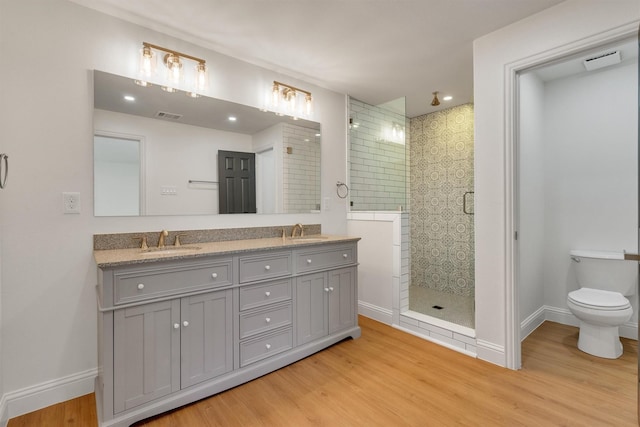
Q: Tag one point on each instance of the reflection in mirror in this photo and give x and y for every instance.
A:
(177, 140)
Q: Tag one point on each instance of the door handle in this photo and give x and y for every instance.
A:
(464, 202)
(3, 177)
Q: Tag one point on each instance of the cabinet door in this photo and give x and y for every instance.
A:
(311, 307)
(207, 336)
(342, 299)
(146, 352)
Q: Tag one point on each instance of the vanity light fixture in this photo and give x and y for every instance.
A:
(286, 99)
(435, 101)
(176, 73)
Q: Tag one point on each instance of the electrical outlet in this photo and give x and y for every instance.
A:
(326, 205)
(71, 203)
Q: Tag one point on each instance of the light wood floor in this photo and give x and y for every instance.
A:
(390, 378)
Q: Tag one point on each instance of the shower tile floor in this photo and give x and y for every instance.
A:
(458, 309)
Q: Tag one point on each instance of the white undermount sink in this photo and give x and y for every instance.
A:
(169, 250)
(307, 239)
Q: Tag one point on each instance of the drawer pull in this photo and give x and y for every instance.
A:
(268, 346)
(326, 289)
(345, 256)
(267, 267)
(309, 261)
(214, 275)
(176, 326)
(330, 288)
(185, 323)
(267, 294)
(268, 320)
(140, 286)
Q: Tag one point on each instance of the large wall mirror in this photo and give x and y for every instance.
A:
(156, 153)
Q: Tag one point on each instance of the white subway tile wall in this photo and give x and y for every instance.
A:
(377, 158)
(301, 177)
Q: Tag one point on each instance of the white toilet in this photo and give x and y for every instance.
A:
(600, 303)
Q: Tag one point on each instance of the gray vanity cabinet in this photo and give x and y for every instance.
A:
(326, 300)
(146, 353)
(162, 347)
(174, 331)
(325, 303)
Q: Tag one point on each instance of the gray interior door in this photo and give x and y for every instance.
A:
(237, 178)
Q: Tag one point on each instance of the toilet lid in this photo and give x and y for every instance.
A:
(605, 300)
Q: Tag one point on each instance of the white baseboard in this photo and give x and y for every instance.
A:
(376, 313)
(4, 414)
(29, 399)
(532, 322)
(491, 352)
(565, 317)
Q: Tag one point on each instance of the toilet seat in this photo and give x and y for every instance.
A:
(599, 299)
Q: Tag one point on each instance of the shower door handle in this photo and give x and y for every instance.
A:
(464, 202)
(4, 172)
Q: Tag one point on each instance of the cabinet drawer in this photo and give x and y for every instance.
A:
(265, 319)
(137, 285)
(263, 294)
(323, 258)
(265, 266)
(260, 348)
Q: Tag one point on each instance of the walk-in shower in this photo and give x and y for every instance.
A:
(423, 166)
(441, 220)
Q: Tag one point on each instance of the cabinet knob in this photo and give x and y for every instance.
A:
(345, 256)
(140, 286)
(214, 275)
(268, 320)
(176, 326)
(330, 289)
(268, 346)
(326, 289)
(185, 323)
(308, 261)
(267, 267)
(267, 294)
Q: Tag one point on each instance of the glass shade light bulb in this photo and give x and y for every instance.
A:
(308, 105)
(275, 95)
(174, 67)
(202, 77)
(147, 62)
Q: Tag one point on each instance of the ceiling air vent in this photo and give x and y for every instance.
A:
(602, 60)
(168, 116)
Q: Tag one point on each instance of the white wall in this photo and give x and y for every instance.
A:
(48, 273)
(567, 26)
(591, 171)
(531, 194)
(171, 164)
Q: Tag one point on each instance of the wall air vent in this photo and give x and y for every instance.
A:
(602, 60)
(168, 116)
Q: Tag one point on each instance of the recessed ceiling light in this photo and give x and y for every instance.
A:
(232, 118)
(129, 98)
(447, 98)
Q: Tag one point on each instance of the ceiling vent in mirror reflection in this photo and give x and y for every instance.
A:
(176, 141)
(168, 116)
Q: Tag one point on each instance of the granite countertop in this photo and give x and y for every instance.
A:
(119, 257)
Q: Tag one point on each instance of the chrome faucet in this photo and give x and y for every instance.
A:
(293, 230)
(163, 234)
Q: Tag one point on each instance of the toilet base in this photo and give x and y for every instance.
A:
(600, 341)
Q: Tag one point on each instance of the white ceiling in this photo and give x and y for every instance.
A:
(374, 50)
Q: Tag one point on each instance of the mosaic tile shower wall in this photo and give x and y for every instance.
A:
(441, 167)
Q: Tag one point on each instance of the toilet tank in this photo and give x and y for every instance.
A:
(607, 271)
